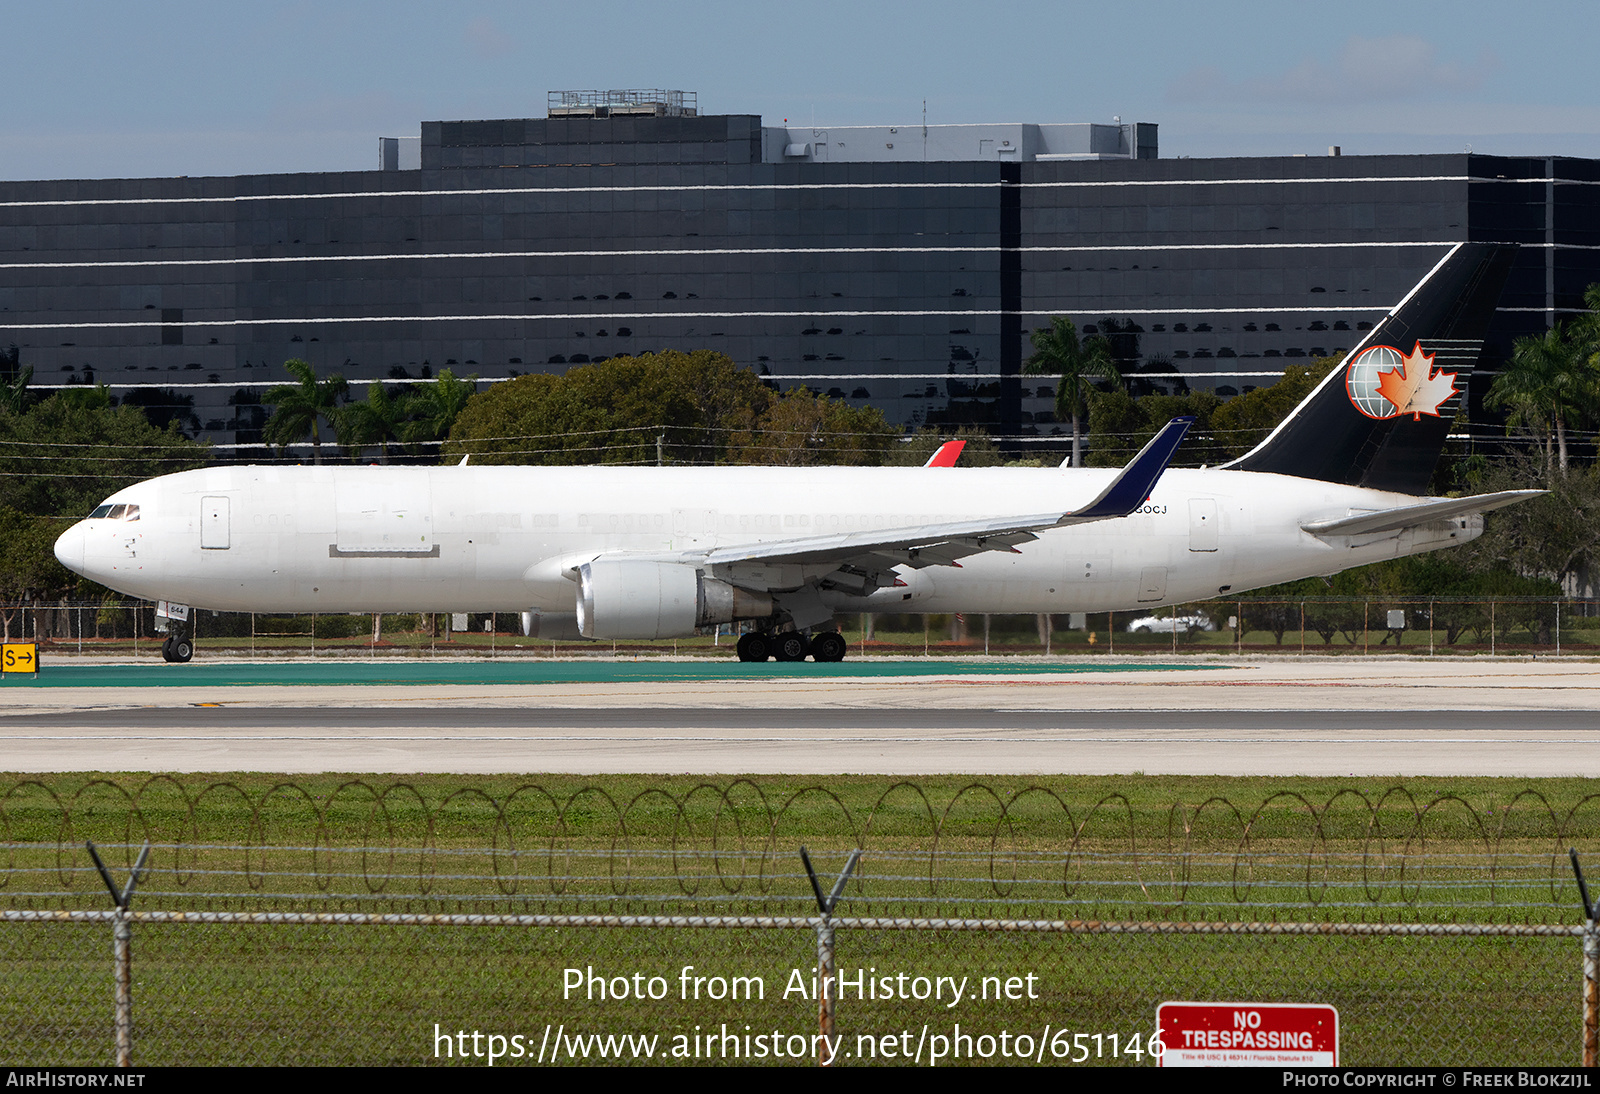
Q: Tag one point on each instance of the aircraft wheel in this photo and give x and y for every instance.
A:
(791, 646)
(182, 651)
(828, 646)
(754, 647)
(166, 649)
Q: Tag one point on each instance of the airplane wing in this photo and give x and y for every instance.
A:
(943, 544)
(1406, 516)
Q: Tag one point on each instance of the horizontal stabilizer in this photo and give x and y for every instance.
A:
(1407, 516)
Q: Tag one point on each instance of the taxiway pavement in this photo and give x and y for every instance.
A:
(1270, 716)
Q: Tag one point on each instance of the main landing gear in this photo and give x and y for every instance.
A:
(825, 646)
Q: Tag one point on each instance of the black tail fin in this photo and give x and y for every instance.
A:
(1380, 419)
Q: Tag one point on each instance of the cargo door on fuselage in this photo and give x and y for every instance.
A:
(384, 513)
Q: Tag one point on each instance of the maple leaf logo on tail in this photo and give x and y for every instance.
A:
(1415, 388)
(1384, 384)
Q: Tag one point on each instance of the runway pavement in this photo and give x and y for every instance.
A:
(1279, 716)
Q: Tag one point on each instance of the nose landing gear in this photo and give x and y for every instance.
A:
(178, 646)
(177, 649)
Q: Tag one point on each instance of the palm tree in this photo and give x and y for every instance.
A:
(1549, 383)
(14, 381)
(379, 420)
(1056, 349)
(433, 410)
(302, 405)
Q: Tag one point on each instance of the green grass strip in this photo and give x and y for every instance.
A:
(482, 674)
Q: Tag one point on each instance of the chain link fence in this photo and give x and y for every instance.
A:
(284, 924)
(1401, 625)
(288, 988)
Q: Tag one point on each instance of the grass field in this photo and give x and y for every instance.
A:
(372, 995)
(1098, 842)
(1432, 850)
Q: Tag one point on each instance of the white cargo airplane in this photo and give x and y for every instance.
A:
(629, 553)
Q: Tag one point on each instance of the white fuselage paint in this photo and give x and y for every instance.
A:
(479, 539)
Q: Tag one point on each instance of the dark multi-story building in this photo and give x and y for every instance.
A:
(901, 266)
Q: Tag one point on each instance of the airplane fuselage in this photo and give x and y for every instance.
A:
(488, 538)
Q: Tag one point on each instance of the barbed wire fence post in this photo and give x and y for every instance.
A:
(1591, 970)
(825, 963)
(122, 949)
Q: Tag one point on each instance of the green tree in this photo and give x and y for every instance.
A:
(1550, 384)
(60, 458)
(1080, 365)
(696, 405)
(531, 420)
(1553, 536)
(302, 406)
(64, 454)
(683, 407)
(28, 566)
(1120, 425)
(1244, 421)
(379, 420)
(14, 380)
(433, 410)
(802, 429)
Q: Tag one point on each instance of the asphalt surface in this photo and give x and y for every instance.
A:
(1250, 717)
(1388, 716)
(749, 723)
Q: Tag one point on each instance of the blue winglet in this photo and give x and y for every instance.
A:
(1132, 486)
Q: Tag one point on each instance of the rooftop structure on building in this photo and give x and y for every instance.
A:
(594, 128)
(634, 103)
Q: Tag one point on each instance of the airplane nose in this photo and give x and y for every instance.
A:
(69, 548)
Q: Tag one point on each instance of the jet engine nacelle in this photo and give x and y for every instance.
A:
(625, 598)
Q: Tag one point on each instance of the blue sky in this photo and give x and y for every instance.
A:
(181, 88)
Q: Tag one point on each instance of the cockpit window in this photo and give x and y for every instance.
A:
(100, 512)
(132, 513)
(115, 512)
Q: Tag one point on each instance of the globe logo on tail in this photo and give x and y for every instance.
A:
(1384, 383)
